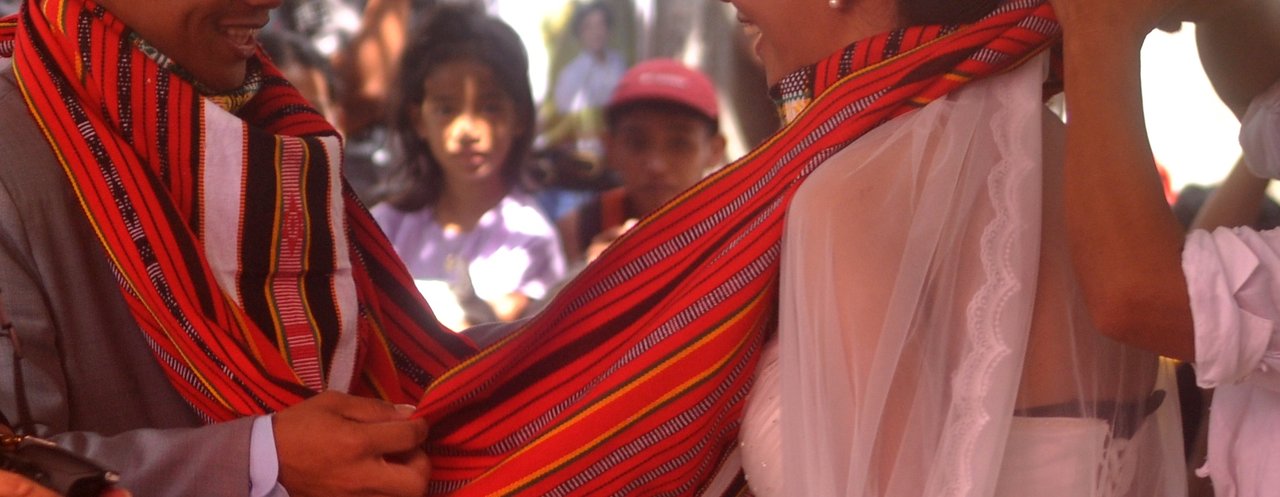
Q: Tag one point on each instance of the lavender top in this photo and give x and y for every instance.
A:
(514, 248)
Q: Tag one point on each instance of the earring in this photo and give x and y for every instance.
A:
(834, 4)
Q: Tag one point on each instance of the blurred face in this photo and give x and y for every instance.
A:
(789, 34)
(468, 121)
(594, 32)
(660, 153)
(212, 39)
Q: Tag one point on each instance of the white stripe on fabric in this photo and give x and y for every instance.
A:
(222, 180)
(342, 368)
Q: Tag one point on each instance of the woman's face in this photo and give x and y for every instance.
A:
(212, 39)
(467, 120)
(789, 34)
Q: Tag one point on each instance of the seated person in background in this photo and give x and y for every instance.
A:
(662, 134)
(464, 124)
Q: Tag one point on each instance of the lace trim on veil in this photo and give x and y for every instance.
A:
(989, 351)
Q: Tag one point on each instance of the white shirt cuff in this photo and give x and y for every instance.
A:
(264, 465)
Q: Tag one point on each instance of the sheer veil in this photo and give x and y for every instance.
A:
(931, 342)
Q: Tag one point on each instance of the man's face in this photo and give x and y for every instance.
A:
(594, 32)
(212, 39)
(660, 152)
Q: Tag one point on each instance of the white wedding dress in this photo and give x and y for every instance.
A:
(930, 341)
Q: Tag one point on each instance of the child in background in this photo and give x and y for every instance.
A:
(662, 134)
(463, 122)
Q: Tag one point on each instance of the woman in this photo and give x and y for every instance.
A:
(455, 214)
(929, 338)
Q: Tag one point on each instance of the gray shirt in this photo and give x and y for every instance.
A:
(88, 373)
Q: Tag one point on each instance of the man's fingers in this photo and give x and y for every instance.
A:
(366, 410)
(393, 437)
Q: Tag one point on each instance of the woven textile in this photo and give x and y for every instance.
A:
(630, 382)
(257, 278)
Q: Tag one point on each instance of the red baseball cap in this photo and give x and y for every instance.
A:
(666, 80)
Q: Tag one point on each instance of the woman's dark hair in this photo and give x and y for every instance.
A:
(922, 12)
(448, 33)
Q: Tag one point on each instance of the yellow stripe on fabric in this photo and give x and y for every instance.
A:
(640, 414)
(282, 341)
(111, 254)
(61, 16)
(307, 244)
(384, 347)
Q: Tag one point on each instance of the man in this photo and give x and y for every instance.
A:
(173, 280)
(662, 134)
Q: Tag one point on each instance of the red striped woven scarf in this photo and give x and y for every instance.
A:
(632, 381)
(256, 276)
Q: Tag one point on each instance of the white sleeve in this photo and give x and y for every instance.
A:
(1260, 134)
(1233, 280)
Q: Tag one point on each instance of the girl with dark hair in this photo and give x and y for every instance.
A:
(463, 121)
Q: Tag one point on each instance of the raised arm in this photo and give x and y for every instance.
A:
(1125, 242)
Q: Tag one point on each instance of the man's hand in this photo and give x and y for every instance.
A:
(15, 485)
(340, 445)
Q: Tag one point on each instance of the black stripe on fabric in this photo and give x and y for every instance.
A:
(893, 44)
(260, 203)
(321, 254)
(163, 92)
(124, 89)
(287, 111)
(207, 293)
(939, 64)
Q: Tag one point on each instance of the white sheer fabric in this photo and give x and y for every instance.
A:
(930, 342)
